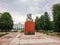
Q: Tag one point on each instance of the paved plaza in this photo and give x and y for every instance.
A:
(21, 39)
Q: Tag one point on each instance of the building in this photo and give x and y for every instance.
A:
(18, 26)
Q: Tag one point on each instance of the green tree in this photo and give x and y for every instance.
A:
(42, 22)
(6, 22)
(37, 23)
(52, 25)
(0, 21)
(47, 22)
(56, 17)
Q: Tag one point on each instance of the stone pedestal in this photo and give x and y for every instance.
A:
(29, 28)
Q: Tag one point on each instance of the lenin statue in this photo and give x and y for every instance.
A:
(29, 28)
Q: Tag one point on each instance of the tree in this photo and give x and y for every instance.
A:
(6, 21)
(42, 22)
(0, 20)
(52, 25)
(56, 17)
(47, 22)
(37, 23)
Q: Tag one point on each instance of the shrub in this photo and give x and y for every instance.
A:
(30, 33)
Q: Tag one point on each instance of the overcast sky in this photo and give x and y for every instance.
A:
(20, 8)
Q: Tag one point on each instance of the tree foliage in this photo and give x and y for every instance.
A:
(37, 23)
(43, 22)
(56, 17)
(6, 22)
(47, 22)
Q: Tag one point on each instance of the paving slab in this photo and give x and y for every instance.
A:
(5, 40)
(21, 39)
(38, 39)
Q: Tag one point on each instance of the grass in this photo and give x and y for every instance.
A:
(30, 33)
(53, 34)
(50, 33)
(22, 30)
(2, 35)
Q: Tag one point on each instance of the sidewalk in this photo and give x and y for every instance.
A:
(5, 40)
(21, 39)
(39, 39)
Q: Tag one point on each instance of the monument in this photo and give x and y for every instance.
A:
(29, 28)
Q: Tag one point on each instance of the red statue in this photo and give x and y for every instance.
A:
(29, 26)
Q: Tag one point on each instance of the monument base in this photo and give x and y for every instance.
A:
(29, 28)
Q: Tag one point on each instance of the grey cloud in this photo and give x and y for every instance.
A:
(25, 6)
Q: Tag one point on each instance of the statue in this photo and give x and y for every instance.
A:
(29, 28)
(29, 17)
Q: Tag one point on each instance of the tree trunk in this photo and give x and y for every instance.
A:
(6, 31)
(58, 32)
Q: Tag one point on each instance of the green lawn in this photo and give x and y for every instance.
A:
(51, 33)
(2, 35)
